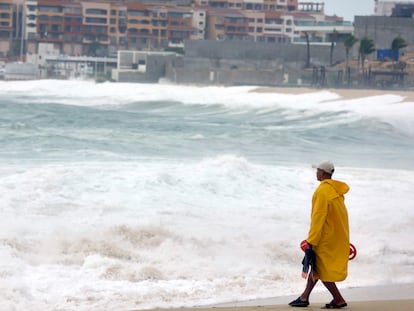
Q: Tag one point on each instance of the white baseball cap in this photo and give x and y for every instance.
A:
(326, 166)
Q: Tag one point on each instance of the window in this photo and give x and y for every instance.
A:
(95, 20)
(49, 9)
(96, 11)
(56, 28)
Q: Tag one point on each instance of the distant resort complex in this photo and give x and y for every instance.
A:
(199, 41)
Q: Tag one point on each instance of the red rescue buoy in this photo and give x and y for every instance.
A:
(352, 251)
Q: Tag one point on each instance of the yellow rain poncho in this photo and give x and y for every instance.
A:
(329, 230)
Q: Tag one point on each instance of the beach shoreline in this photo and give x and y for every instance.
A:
(379, 298)
(344, 93)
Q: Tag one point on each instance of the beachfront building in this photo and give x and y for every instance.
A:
(226, 24)
(11, 28)
(311, 23)
(6, 24)
(30, 13)
(102, 27)
(270, 21)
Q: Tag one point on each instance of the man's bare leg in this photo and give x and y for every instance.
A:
(309, 287)
(337, 297)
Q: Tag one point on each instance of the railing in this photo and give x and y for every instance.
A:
(322, 23)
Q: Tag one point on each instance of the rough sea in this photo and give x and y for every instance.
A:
(134, 196)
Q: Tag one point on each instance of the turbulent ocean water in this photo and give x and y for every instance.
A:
(134, 196)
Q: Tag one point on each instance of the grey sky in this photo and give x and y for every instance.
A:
(348, 8)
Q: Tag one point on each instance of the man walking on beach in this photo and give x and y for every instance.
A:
(328, 237)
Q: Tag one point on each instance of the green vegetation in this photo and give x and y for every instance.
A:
(349, 44)
(397, 44)
(366, 47)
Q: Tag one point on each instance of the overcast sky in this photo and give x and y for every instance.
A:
(348, 8)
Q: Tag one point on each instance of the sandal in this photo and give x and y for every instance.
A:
(333, 305)
(299, 303)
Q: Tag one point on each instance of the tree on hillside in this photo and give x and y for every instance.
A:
(349, 44)
(366, 47)
(397, 44)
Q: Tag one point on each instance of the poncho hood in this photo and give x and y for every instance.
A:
(337, 186)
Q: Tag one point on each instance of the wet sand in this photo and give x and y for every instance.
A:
(344, 93)
(397, 297)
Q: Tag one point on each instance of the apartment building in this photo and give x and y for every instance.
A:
(199, 23)
(30, 10)
(139, 25)
(6, 22)
(227, 24)
(102, 27)
(151, 26)
(11, 26)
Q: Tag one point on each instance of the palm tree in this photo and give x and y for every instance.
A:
(397, 44)
(307, 49)
(366, 47)
(334, 36)
(349, 44)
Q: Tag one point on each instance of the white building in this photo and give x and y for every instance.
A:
(30, 12)
(199, 23)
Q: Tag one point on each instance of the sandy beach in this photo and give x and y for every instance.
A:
(397, 297)
(345, 93)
